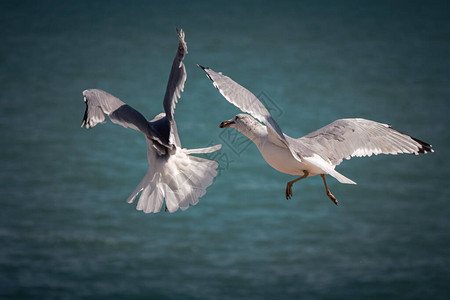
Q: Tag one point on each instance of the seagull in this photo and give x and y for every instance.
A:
(174, 174)
(317, 153)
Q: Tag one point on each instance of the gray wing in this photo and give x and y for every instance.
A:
(348, 138)
(99, 103)
(244, 100)
(175, 86)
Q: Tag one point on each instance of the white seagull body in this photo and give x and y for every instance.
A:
(174, 175)
(317, 153)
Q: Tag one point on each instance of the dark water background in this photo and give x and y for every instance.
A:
(65, 229)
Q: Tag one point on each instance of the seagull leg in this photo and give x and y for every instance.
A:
(290, 183)
(329, 194)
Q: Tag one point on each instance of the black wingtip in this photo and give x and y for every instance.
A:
(205, 69)
(424, 147)
(84, 122)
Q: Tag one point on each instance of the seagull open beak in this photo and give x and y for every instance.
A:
(226, 124)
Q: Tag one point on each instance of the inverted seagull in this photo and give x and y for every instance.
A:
(318, 152)
(173, 175)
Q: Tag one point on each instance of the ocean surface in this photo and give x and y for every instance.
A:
(66, 231)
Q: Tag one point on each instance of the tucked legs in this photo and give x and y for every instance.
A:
(329, 194)
(290, 183)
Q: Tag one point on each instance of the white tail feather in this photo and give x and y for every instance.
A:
(327, 168)
(341, 178)
(180, 181)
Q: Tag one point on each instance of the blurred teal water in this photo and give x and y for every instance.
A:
(65, 229)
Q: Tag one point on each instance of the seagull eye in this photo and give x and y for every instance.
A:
(237, 118)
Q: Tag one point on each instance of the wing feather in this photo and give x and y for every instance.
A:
(99, 103)
(347, 138)
(175, 86)
(245, 101)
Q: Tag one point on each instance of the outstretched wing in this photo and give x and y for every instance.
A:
(99, 103)
(346, 138)
(245, 101)
(175, 86)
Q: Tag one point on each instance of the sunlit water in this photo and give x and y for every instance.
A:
(66, 231)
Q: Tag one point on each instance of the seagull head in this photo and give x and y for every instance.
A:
(238, 121)
(246, 125)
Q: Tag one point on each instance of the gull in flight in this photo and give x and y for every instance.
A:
(317, 153)
(174, 174)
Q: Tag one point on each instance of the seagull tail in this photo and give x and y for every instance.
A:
(328, 168)
(180, 180)
(341, 178)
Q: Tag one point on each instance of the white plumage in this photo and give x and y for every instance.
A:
(317, 153)
(174, 175)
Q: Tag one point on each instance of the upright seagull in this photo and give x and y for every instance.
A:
(318, 152)
(173, 175)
